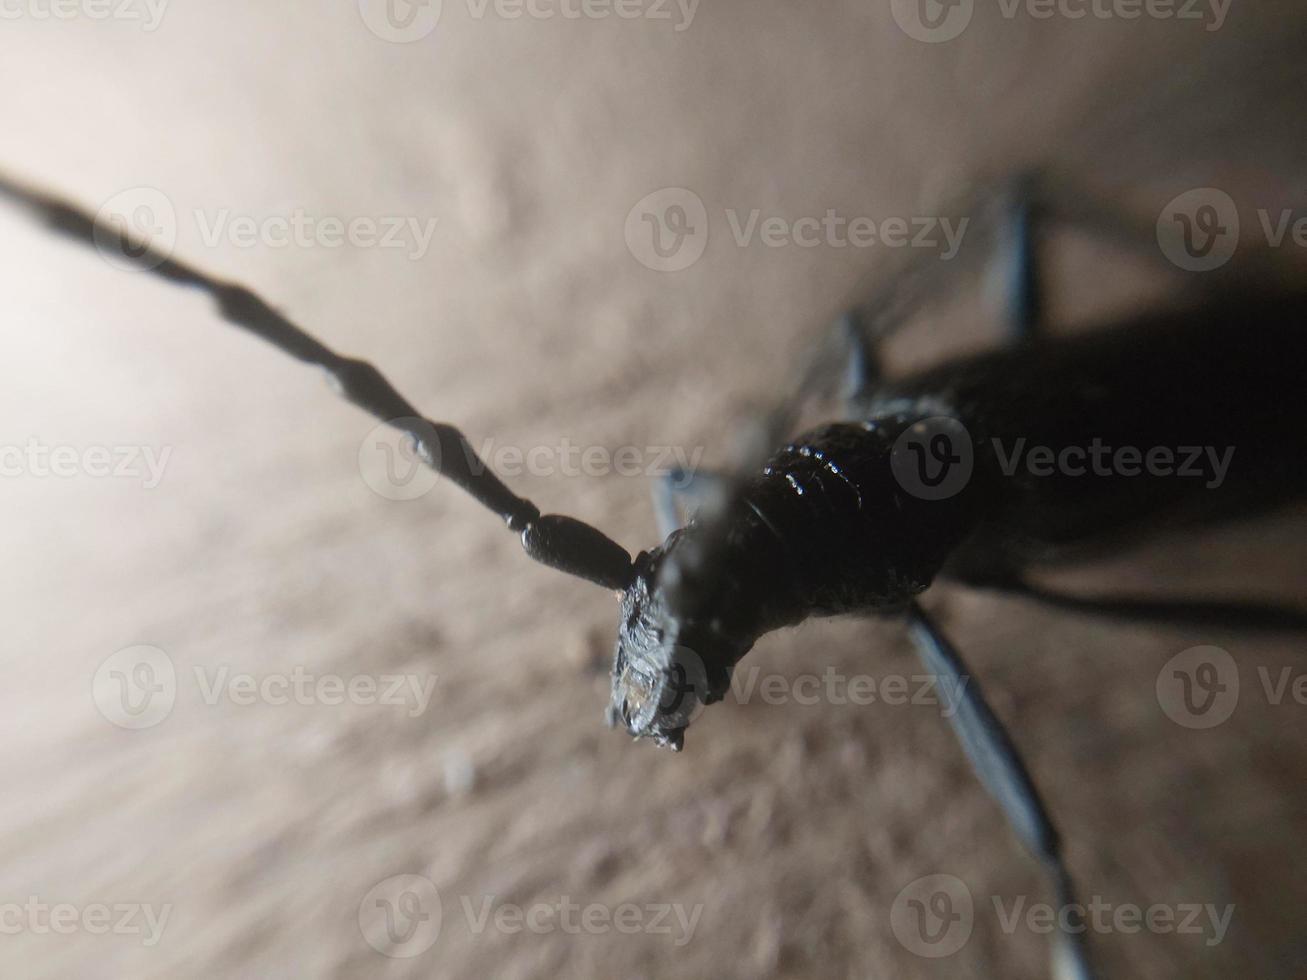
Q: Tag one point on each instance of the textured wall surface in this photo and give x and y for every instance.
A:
(787, 829)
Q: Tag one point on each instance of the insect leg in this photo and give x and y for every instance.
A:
(1009, 219)
(847, 364)
(862, 369)
(1234, 614)
(840, 364)
(1024, 269)
(999, 767)
(679, 485)
(560, 542)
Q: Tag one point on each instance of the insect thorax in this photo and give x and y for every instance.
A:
(824, 529)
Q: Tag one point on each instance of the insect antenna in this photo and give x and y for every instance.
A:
(560, 542)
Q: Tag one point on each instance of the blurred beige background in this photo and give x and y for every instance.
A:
(792, 828)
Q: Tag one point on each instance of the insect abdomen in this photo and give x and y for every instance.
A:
(1062, 430)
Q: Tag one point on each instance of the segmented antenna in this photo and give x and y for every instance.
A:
(560, 542)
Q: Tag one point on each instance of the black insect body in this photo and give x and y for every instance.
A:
(830, 527)
(824, 529)
(924, 478)
(1213, 389)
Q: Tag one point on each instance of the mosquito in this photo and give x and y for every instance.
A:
(913, 484)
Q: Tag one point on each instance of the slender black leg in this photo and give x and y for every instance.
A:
(994, 220)
(980, 224)
(844, 366)
(678, 485)
(1232, 614)
(1010, 220)
(1023, 261)
(862, 367)
(997, 763)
